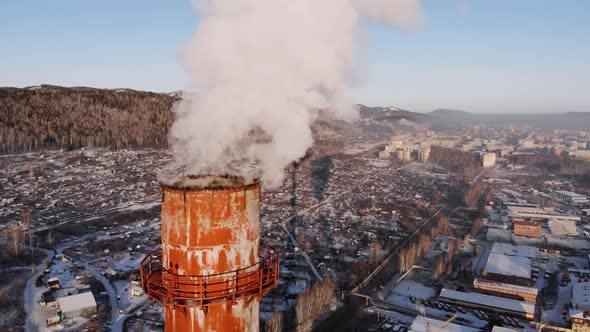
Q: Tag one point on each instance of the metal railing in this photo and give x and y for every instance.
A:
(200, 291)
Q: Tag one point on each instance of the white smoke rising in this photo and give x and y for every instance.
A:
(262, 69)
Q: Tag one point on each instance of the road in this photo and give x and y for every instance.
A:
(114, 304)
(117, 319)
(29, 295)
(118, 324)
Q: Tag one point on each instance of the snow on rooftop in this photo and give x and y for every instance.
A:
(563, 227)
(509, 265)
(504, 329)
(519, 212)
(580, 295)
(424, 324)
(489, 301)
(512, 250)
(570, 194)
(76, 302)
(579, 314)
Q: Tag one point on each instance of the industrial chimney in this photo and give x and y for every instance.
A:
(211, 270)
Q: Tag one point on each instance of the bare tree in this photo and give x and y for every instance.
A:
(15, 238)
(312, 303)
(275, 323)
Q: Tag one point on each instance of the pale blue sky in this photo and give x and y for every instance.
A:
(476, 55)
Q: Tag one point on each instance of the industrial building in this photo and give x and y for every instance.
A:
(510, 264)
(425, 324)
(526, 228)
(509, 269)
(77, 305)
(570, 198)
(528, 294)
(537, 214)
(581, 296)
(504, 329)
(489, 302)
(514, 250)
(563, 228)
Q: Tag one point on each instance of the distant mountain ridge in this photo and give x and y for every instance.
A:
(448, 111)
(46, 115)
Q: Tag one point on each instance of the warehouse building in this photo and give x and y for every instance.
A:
(512, 250)
(563, 228)
(504, 329)
(570, 198)
(528, 294)
(510, 264)
(487, 302)
(425, 324)
(77, 305)
(538, 214)
(526, 228)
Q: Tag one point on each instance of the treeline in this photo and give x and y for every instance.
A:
(443, 265)
(308, 309)
(472, 195)
(56, 117)
(312, 303)
(410, 254)
(456, 160)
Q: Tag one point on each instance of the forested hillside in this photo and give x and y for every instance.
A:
(58, 117)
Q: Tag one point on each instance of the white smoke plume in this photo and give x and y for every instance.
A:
(261, 70)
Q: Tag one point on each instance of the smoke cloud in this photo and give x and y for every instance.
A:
(261, 70)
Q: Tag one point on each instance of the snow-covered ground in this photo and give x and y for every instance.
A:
(399, 295)
(555, 315)
(35, 320)
(126, 299)
(413, 288)
(73, 324)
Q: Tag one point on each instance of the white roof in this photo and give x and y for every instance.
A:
(569, 193)
(578, 314)
(516, 212)
(512, 250)
(563, 227)
(498, 233)
(424, 324)
(76, 302)
(489, 301)
(580, 294)
(509, 265)
(504, 329)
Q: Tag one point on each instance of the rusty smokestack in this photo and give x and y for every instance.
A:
(209, 273)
